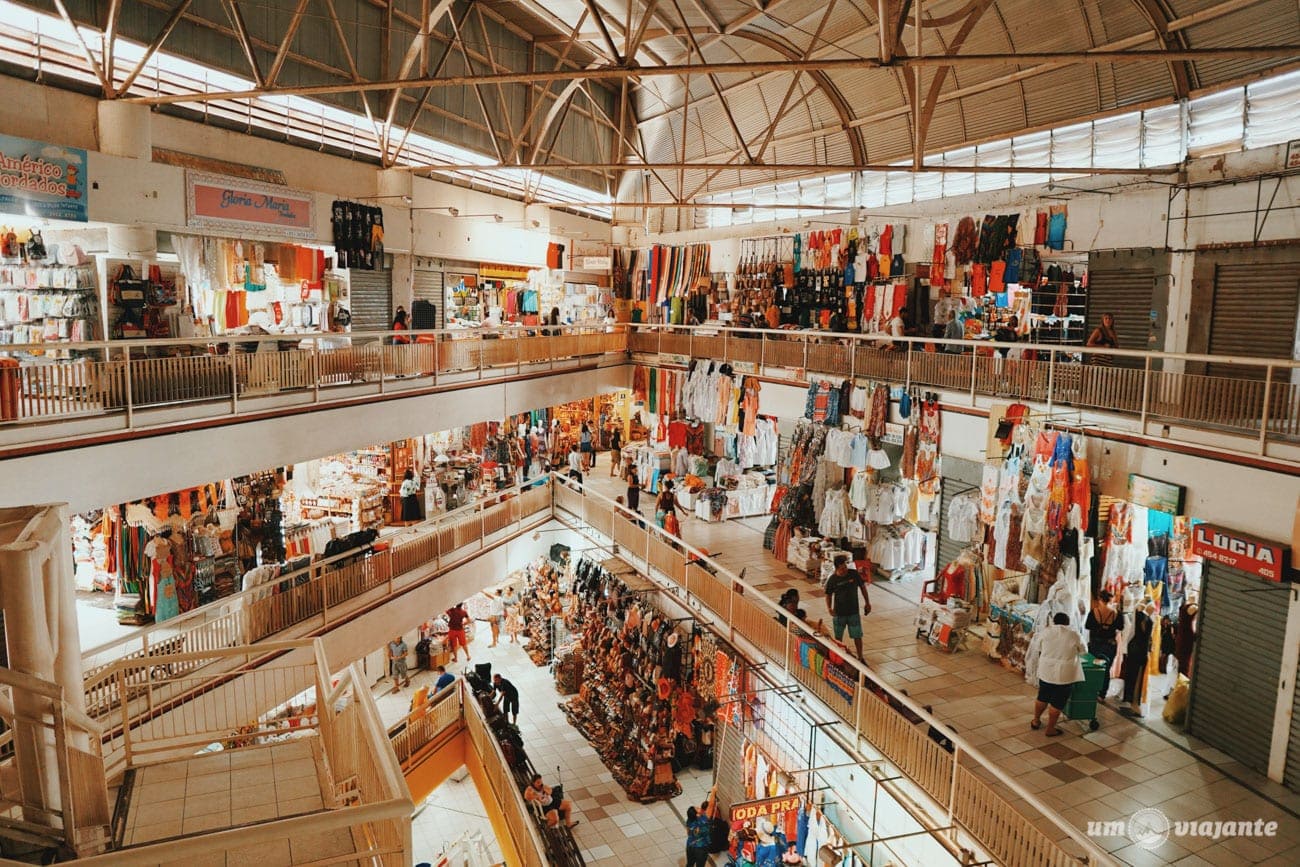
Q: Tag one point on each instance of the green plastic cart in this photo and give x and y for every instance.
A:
(1083, 696)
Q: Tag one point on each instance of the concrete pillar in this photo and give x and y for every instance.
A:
(42, 639)
(1178, 315)
(391, 185)
(125, 129)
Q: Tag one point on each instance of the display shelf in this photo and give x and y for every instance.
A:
(49, 304)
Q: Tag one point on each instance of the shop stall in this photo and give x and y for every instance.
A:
(650, 691)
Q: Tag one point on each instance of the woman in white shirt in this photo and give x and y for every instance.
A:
(1058, 670)
(410, 497)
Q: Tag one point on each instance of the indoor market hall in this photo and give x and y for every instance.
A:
(623, 432)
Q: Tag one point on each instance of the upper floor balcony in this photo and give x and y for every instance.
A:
(114, 391)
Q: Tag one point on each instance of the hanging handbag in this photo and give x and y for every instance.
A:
(36, 247)
(128, 290)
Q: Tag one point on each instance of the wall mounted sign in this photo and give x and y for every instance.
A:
(42, 181)
(233, 205)
(1155, 494)
(1293, 154)
(766, 808)
(1266, 560)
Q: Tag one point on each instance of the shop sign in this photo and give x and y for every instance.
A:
(744, 367)
(495, 271)
(1155, 494)
(595, 263)
(1240, 551)
(42, 181)
(893, 434)
(233, 205)
(751, 810)
(1293, 154)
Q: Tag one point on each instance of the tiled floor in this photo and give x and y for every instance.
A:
(232, 789)
(612, 830)
(1102, 775)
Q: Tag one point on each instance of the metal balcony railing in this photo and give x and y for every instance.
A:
(1249, 397)
(130, 384)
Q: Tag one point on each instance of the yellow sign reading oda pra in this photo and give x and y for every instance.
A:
(765, 808)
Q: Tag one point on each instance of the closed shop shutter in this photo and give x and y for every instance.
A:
(428, 286)
(729, 766)
(958, 476)
(1127, 292)
(1254, 314)
(1292, 776)
(1237, 663)
(371, 296)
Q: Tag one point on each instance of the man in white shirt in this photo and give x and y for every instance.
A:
(1058, 670)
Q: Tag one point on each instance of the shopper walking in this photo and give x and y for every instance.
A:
(410, 492)
(1104, 624)
(397, 651)
(507, 697)
(586, 447)
(496, 613)
(575, 465)
(400, 324)
(514, 623)
(633, 490)
(666, 502)
(842, 590)
(1058, 670)
(615, 450)
(457, 617)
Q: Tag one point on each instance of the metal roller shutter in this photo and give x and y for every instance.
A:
(728, 766)
(428, 286)
(1126, 292)
(1237, 663)
(371, 296)
(958, 476)
(1254, 314)
(1292, 774)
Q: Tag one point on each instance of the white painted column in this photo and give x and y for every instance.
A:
(1286, 689)
(1177, 314)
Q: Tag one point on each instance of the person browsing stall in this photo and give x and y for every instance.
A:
(699, 830)
(445, 679)
(508, 696)
(1104, 624)
(842, 590)
(1058, 670)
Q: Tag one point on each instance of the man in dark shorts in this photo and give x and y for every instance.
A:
(1058, 670)
(842, 590)
(509, 696)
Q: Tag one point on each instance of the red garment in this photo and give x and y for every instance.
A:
(1040, 229)
(694, 439)
(977, 281)
(456, 618)
(676, 434)
(939, 255)
(996, 272)
(887, 241)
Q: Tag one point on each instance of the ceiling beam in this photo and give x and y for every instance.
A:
(413, 54)
(283, 53)
(826, 168)
(717, 88)
(604, 31)
(608, 73)
(167, 28)
(95, 66)
(241, 33)
(108, 42)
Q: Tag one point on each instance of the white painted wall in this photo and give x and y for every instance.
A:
(133, 192)
(99, 475)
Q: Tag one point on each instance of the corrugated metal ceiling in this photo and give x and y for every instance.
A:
(977, 102)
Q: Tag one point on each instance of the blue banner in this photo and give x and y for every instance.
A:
(42, 181)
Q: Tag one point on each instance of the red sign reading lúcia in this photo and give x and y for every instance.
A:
(1265, 559)
(765, 808)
